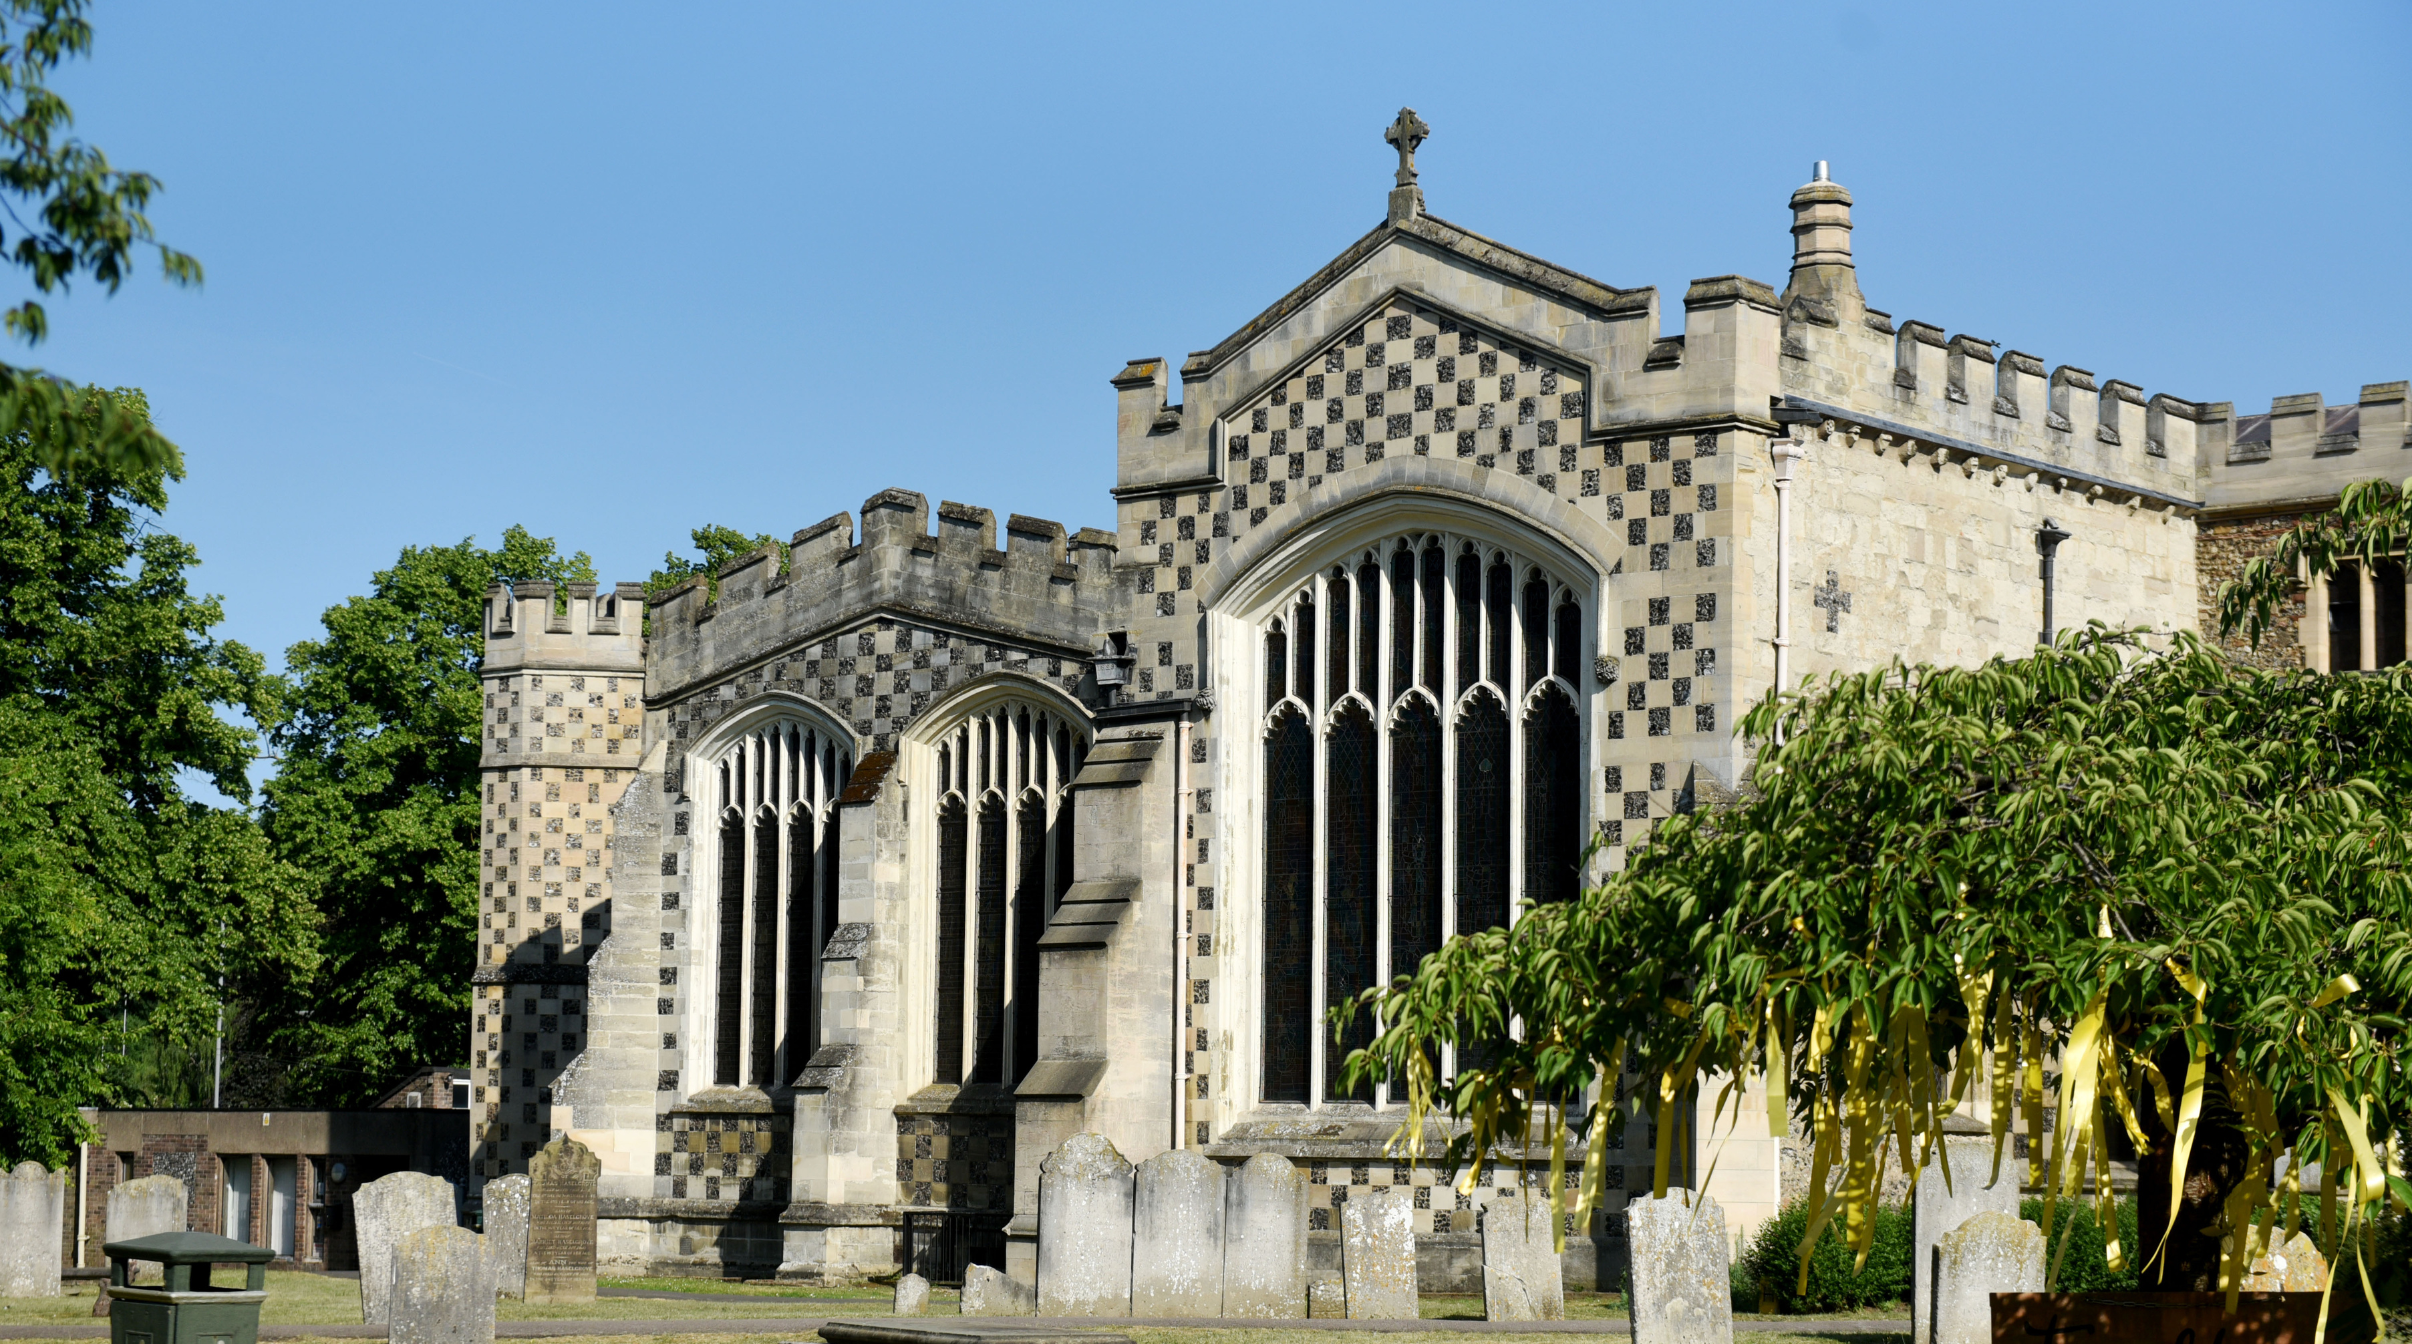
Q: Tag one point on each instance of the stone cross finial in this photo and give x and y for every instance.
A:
(1832, 600)
(1406, 133)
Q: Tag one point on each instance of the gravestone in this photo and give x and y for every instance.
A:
(384, 1211)
(33, 1214)
(993, 1292)
(912, 1295)
(1681, 1291)
(443, 1288)
(1327, 1298)
(1991, 1252)
(2306, 1268)
(1939, 1211)
(1521, 1276)
(146, 1208)
(1177, 1236)
(507, 1233)
(561, 1222)
(1084, 1258)
(1377, 1254)
(1264, 1240)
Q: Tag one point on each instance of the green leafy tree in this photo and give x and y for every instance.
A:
(2180, 883)
(375, 798)
(126, 908)
(719, 546)
(66, 214)
(2371, 522)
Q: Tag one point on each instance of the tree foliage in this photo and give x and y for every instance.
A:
(68, 215)
(2181, 881)
(719, 545)
(2371, 522)
(375, 799)
(124, 905)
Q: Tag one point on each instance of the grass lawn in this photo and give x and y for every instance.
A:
(754, 1287)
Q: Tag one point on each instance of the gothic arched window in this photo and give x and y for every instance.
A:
(1004, 854)
(777, 899)
(1402, 804)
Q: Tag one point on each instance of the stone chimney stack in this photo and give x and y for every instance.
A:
(1821, 244)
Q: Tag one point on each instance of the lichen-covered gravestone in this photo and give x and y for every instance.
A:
(1939, 1211)
(912, 1296)
(1681, 1292)
(384, 1211)
(992, 1292)
(1084, 1257)
(1377, 1254)
(443, 1288)
(1521, 1276)
(1264, 1241)
(33, 1209)
(561, 1222)
(1990, 1252)
(1177, 1236)
(506, 1204)
(146, 1208)
(2306, 1268)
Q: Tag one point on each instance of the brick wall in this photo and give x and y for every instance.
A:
(2222, 550)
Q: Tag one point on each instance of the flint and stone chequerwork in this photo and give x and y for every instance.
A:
(844, 885)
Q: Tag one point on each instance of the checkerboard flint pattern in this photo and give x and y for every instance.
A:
(721, 1157)
(955, 1161)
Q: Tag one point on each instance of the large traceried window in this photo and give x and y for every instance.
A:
(1423, 769)
(777, 901)
(1004, 854)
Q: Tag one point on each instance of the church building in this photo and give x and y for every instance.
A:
(836, 889)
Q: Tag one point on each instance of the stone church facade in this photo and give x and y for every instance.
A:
(846, 883)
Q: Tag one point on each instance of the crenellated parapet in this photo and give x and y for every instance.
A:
(571, 633)
(2302, 451)
(1043, 586)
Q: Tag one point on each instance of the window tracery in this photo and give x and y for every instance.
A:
(777, 900)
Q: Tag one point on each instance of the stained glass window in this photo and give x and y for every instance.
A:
(954, 854)
(728, 1021)
(1289, 906)
(766, 944)
(988, 1001)
(1348, 883)
(1553, 803)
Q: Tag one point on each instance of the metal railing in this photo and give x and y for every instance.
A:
(940, 1243)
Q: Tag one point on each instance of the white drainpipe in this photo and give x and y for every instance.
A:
(1789, 454)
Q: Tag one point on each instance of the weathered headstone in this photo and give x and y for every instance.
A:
(1377, 1253)
(1938, 1211)
(33, 1214)
(507, 1233)
(1327, 1298)
(993, 1292)
(1085, 1193)
(1522, 1279)
(384, 1211)
(1681, 1291)
(561, 1222)
(1264, 1241)
(442, 1288)
(146, 1208)
(2306, 1268)
(1177, 1236)
(1990, 1252)
(912, 1295)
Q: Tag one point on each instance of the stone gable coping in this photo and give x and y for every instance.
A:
(2069, 375)
(1716, 290)
(2022, 362)
(1926, 334)
(1973, 347)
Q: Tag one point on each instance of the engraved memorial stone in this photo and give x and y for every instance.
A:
(507, 1233)
(1992, 1252)
(912, 1296)
(145, 1208)
(1681, 1292)
(1377, 1254)
(1177, 1236)
(992, 1292)
(1264, 1240)
(561, 1222)
(384, 1212)
(1521, 1276)
(442, 1288)
(1939, 1211)
(1085, 1194)
(33, 1209)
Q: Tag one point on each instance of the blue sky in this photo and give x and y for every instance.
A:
(615, 271)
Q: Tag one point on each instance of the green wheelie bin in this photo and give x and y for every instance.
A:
(186, 1308)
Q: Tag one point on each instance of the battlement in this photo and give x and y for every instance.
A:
(2303, 449)
(1043, 583)
(533, 625)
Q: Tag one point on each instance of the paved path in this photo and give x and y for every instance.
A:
(797, 1326)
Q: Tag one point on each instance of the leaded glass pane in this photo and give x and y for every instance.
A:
(803, 947)
(1536, 630)
(1336, 599)
(766, 946)
(1415, 837)
(1553, 802)
(1289, 906)
(728, 1015)
(1402, 620)
(1277, 666)
(988, 1004)
(1435, 649)
(1029, 921)
(1496, 598)
(1469, 620)
(1369, 631)
(1482, 815)
(1570, 641)
(1348, 895)
(1302, 636)
(954, 843)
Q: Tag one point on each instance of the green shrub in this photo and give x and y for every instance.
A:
(2086, 1270)
(1774, 1259)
